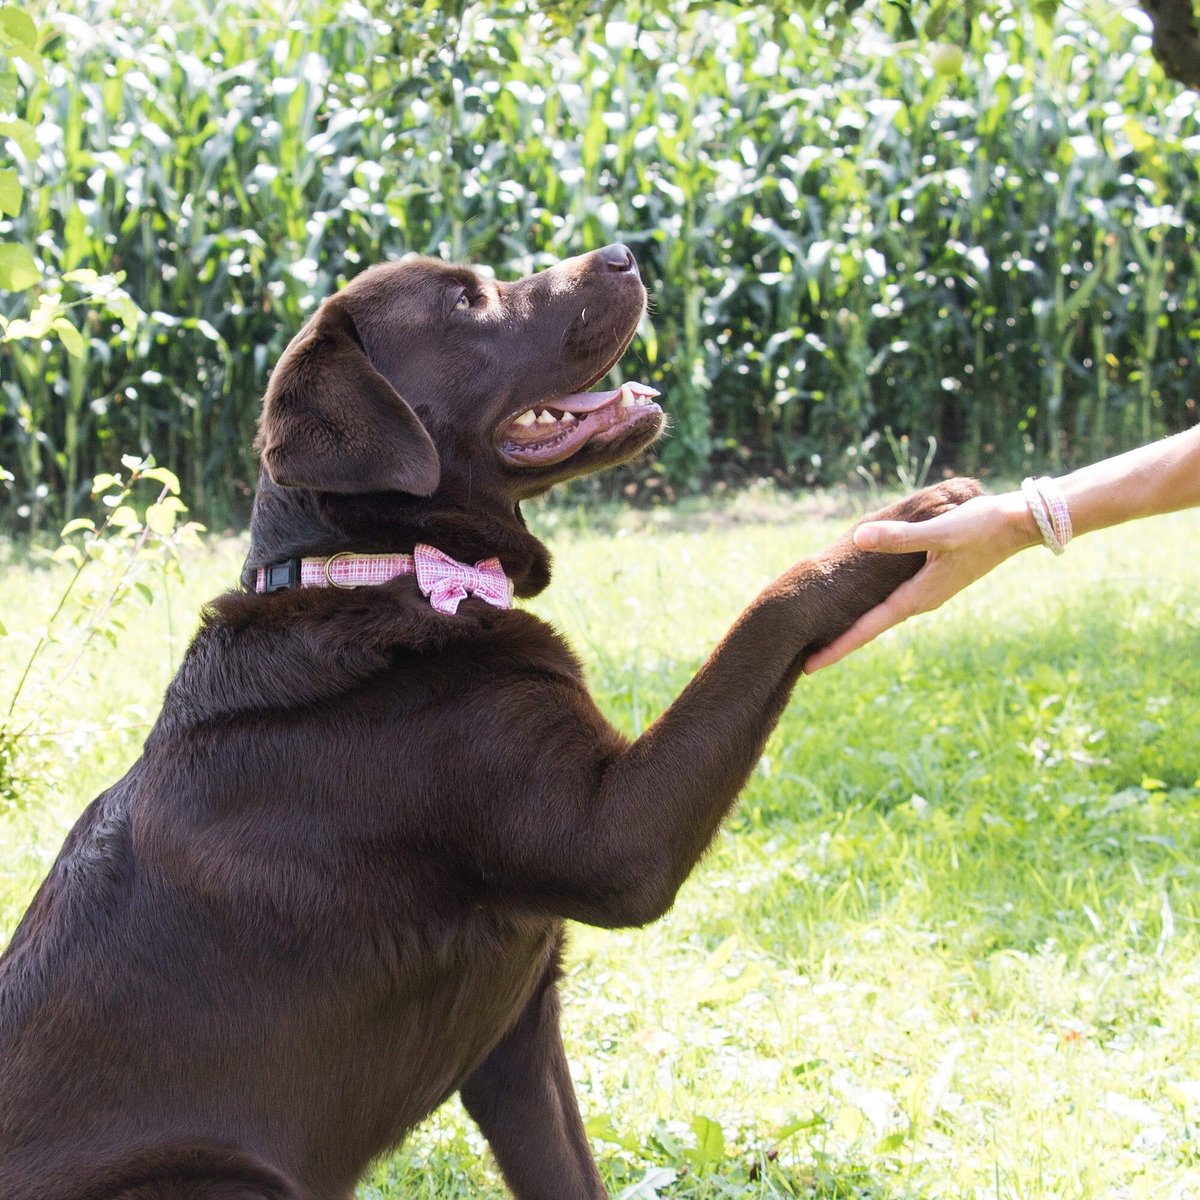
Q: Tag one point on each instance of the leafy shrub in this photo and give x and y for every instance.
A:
(110, 563)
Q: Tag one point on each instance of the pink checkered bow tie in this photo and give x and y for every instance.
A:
(447, 582)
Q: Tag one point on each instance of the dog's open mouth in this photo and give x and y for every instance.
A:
(550, 433)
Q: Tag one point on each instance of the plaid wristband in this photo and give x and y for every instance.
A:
(1049, 508)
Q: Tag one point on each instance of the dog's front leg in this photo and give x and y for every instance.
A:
(523, 1100)
(610, 833)
(659, 804)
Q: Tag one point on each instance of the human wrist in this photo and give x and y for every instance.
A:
(1020, 524)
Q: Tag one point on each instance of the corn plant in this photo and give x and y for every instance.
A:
(1003, 258)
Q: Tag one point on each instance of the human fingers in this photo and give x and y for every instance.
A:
(980, 524)
(889, 537)
(906, 537)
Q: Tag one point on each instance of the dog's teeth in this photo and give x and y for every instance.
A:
(627, 400)
(546, 417)
(526, 418)
(567, 418)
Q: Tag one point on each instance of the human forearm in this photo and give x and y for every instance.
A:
(1159, 478)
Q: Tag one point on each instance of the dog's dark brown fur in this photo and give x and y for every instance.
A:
(331, 892)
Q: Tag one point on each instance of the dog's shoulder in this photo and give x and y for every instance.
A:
(312, 646)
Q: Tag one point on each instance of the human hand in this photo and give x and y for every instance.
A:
(962, 545)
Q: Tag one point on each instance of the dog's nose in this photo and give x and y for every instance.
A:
(618, 257)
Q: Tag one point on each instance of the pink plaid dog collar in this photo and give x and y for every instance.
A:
(446, 581)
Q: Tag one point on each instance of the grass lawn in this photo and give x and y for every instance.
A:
(946, 946)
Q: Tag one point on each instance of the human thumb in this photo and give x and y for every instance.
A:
(888, 537)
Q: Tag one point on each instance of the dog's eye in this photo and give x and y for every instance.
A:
(463, 301)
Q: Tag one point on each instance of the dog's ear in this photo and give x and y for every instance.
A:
(331, 422)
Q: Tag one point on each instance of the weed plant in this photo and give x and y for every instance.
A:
(125, 556)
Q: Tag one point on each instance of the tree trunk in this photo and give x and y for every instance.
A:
(1176, 42)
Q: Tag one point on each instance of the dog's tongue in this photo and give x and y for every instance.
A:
(585, 402)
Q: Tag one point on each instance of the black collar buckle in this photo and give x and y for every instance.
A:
(281, 575)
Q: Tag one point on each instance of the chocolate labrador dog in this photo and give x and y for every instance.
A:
(331, 892)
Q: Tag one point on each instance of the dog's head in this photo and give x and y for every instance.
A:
(423, 378)
(424, 401)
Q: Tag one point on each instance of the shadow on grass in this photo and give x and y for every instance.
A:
(1027, 781)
